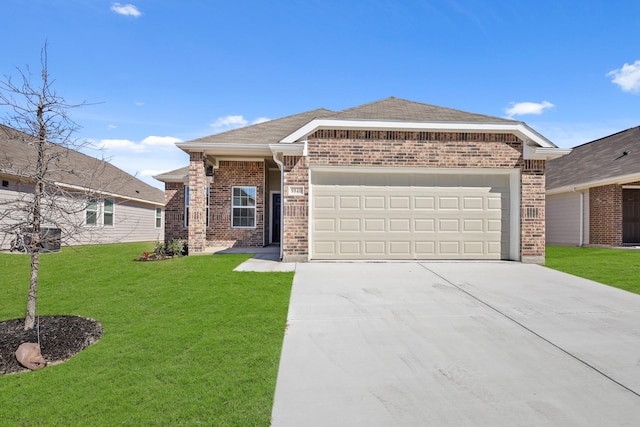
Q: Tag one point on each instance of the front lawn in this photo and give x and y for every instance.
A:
(615, 267)
(186, 341)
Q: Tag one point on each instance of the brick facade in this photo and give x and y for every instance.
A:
(415, 149)
(295, 245)
(532, 211)
(230, 174)
(197, 233)
(350, 148)
(605, 215)
(174, 225)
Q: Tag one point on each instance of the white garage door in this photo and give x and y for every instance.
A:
(409, 216)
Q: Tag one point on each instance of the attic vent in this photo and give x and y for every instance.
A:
(5, 183)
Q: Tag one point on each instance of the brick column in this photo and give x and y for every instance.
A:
(197, 204)
(605, 215)
(532, 212)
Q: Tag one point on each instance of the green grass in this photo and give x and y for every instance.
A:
(614, 267)
(186, 341)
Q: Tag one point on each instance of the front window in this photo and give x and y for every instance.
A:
(243, 207)
(158, 217)
(107, 213)
(92, 212)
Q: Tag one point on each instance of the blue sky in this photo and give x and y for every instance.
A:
(160, 71)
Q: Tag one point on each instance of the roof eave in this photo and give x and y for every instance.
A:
(544, 153)
(621, 180)
(519, 128)
(225, 149)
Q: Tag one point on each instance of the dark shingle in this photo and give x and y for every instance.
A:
(601, 159)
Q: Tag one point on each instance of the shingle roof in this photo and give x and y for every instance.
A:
(597, 160)
(17, 158)
(397, 109)
(269, 132)
(389, 109)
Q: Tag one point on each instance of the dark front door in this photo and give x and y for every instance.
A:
(630, 216)
(275, 218)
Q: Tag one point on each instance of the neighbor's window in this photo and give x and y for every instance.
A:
(243, 207)
(158, 217)
(92, 212)
(107, 212)
(186, 206)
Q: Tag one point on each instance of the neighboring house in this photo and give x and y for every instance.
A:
(593, 194)
(392, 179)
(102, 203)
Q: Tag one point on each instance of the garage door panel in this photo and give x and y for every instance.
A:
(374, 202)
(468, 220)
(349, 224)
(374, 225)
(349, 202)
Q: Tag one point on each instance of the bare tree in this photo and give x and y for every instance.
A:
(38, 119)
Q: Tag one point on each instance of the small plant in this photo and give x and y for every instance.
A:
(145, 256)
(159, 249)
(175, 247)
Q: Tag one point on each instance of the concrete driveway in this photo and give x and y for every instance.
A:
(457, 344)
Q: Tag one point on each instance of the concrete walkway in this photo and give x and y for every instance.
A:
(457, 344)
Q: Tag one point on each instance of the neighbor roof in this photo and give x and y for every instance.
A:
(72, 168)
(598, 162)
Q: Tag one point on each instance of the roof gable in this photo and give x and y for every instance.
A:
(72, 168)
(598, 162)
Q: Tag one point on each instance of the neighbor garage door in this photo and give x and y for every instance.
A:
(409, 216)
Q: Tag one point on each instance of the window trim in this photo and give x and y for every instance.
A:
(254, 207)
(105, 213)
(158, 218)
(95, 212)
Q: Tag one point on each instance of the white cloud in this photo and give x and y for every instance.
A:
(126, 9)
(160, 141)
(222, 124)
(260, 120)
(148, 144)
(120, 145)
(627, 77)
(522, 108)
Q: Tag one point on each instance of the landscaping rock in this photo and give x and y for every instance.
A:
(29, 356)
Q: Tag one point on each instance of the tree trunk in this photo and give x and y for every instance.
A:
(30, 318)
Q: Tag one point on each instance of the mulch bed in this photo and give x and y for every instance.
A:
(61, 337)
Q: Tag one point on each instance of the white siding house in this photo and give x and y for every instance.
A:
(89, 200)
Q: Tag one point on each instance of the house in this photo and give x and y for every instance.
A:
(593, 194)
(392, 179)
(88, 200)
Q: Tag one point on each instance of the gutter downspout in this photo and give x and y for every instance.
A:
(281, 167)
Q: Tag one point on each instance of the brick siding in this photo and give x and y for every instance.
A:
(295, 243)
(174, 212)
(414, 149)
(197, 203)
(532, 211)
(232, 174)
(605, 215)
